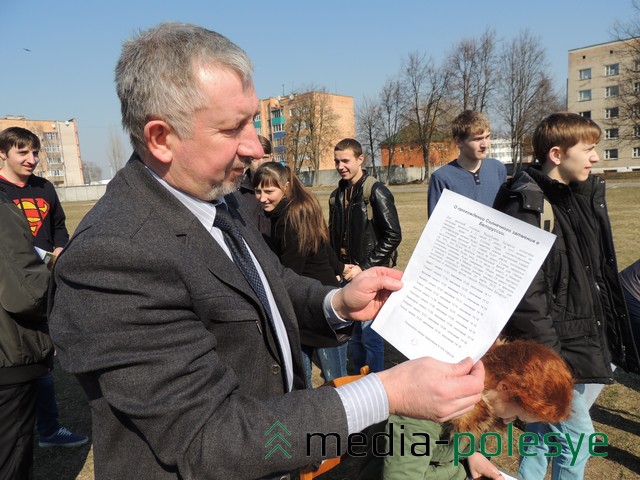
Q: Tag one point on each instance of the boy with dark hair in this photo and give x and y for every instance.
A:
(37, 199)
(365, 232)
(575, 304)
(35, 196)
(471, 174)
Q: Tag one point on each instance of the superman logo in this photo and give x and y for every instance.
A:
(36, 210)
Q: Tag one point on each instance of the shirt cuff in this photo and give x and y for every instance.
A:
(335, 320)
(365, 402)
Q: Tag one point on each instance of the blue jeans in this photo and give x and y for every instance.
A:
(366, 347)
(46, 408)
(332, 362)
(579, 422)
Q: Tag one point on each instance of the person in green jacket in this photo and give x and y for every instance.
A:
(523, 380)
(26, 351)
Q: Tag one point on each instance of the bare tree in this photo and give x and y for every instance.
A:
(525, 91)
(628, 102)
(115, 154)
(298, 146)
(92, 172)
(473, 64)
(423, 89)
(369, 127)
(391, 118)
(310, 130)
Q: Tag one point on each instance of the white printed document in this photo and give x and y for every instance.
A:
(467, 274)
(506, 476)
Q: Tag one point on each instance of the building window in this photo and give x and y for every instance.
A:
(585, 74)
(611, 154)
(613, 69)
(256, 118)
(613, 112)
(636, 87)
(277, 127)
(585, 95)
(612, 91)
(611, 133)
(51, 135)
(276, 113)
(636, 131)
(636, 152)
(586, 114)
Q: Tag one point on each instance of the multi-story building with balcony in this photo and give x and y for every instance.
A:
(603, 84)
(300, 126)
(60, 160)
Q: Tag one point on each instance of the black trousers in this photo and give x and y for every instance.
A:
(17, 420)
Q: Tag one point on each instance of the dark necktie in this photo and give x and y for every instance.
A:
(241, 256)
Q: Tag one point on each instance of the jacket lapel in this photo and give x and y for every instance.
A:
(186, 227)
(201, 244)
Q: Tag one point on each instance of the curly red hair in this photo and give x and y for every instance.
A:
(538, 378)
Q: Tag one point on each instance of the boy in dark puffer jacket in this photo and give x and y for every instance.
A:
(575, 303)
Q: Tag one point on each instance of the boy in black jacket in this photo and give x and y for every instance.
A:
(37, 199)
(575, 303)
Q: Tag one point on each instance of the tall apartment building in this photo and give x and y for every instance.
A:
(603, 81)
(304, 125)
(60, 160)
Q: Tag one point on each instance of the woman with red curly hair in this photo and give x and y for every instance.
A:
(523, 380)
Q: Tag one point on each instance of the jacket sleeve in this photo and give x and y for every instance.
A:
(60, 232)
(289, 255)
(387, 226)
(532, 317)
(336, 264)
(25, 278)
(331, 221)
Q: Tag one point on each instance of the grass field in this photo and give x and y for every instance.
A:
(616, 413)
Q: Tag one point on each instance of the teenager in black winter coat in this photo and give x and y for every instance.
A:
(575, 303)
(300, 239)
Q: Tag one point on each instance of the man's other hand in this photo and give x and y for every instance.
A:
(363, 297)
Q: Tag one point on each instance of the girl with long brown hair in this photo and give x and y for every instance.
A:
(300, 238)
